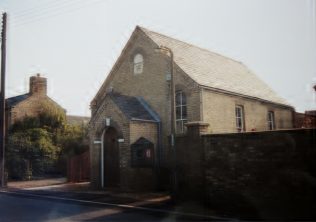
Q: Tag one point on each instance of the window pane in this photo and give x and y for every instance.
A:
(184, 112)
(271, 124)
(184, 99)
(239, 122)
(239, 118)
(178, 98)
(237, 111)
(138, 68)
(178, 112)
(138, 58)
(138, 64)
(181, 111)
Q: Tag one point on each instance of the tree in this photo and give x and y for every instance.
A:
(73, 139)
(42, 144)
(49, 116)
(32, 146)
(30, 150)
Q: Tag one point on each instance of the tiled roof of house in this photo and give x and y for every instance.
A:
(132, 107)
(77, 120)
(12, 101)
(215, 71)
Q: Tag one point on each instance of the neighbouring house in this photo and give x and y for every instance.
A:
(77, 120)
(130, 114)
(305, 120)
(29, 104)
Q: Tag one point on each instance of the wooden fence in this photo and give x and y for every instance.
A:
(78, 168)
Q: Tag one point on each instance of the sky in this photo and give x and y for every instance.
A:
(74, 43)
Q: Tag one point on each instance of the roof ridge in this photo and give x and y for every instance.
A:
(190, 44)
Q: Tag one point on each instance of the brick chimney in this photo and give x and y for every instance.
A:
(38, 85)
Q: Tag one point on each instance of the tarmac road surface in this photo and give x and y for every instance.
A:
(28, 207)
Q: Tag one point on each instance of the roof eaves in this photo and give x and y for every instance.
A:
(245, 96)
(144, 120)
(12, 101)
(149, 110)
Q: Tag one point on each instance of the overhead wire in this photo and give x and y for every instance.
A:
(46, 5)
(49, 12)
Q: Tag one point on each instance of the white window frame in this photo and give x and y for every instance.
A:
(271, 120)
(182, 120)
(138, 64)
(240, 118)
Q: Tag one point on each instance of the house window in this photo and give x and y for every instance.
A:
(181, 111)
(239, 112)
(138, 64)
(271, 121)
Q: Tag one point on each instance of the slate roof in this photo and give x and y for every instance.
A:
(215, 71)
(132, 107)
(12, 101)
(77, 120)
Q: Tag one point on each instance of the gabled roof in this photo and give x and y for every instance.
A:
(132, 107)
(12, 101)
(77, 120)
(215, 71)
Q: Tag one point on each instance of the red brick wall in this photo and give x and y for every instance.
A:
(303, 120)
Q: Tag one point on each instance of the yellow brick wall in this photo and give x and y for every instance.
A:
(148, 130)
(152, 84)
(107, 109)
(219, 112)
(130, 132)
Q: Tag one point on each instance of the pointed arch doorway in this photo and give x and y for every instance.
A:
(111, 161)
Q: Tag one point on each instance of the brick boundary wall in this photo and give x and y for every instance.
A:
(267, 175)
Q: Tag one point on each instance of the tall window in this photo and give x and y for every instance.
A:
(240, 126)
(138, 64)
(181, 111)
(271, 121)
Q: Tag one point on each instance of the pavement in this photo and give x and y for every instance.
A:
(82, 189)
(59, 188)
(36, 183)
(81, 193)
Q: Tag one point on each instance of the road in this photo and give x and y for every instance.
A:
(22, 208)
(16, 207)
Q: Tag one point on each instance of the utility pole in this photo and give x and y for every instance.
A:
(2, 99)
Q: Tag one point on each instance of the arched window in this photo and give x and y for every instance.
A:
(181, 111)
(138, 64)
